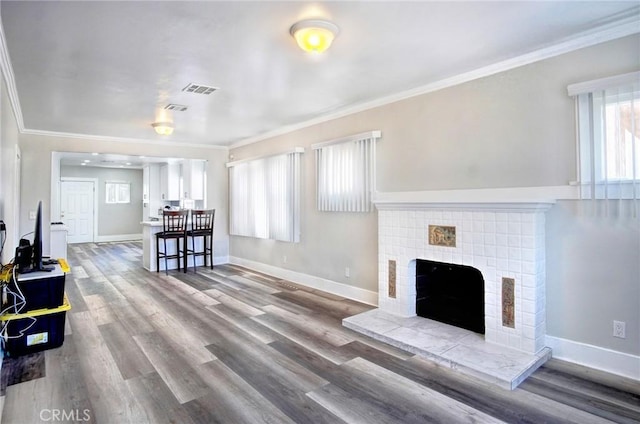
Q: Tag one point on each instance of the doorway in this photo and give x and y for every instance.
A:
(77, 210)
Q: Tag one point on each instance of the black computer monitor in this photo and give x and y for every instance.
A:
(36, 261)
(29, 257)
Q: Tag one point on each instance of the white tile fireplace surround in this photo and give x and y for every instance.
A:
(502, 234)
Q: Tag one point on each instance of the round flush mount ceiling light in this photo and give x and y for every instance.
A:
(314, 35)
(163, 128)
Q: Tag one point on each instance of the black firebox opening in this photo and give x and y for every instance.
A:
(450, 293)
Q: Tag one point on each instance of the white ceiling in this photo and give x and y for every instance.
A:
(108, 68)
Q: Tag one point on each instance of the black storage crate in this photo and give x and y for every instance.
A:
(41, 290)
(23, 335)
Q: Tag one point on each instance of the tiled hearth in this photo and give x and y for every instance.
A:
(505, 241)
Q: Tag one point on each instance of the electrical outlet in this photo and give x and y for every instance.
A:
(347, 272)
(32, 215)
(619, 329)
(284, 259)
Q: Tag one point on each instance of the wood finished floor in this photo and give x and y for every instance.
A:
(233, 346)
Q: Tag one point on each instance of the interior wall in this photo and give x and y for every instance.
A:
(593, 275)
(113, 219)
(36, 174)
(330, 242)
(8, 196)
(512, 129)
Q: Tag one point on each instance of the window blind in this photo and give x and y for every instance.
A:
(608, 113)
(265, 197)
(345, 173)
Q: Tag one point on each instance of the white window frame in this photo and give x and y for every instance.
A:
(599, 173)
(121, 192)
(346, 173)
(264, 196)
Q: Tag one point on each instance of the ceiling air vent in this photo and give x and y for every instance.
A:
(175, 107)
(199, 89)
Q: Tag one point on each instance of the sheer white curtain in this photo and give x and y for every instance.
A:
(609, 139)
(345, 173)
(265, 197)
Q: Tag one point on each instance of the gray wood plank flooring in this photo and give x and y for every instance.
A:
(231, 345)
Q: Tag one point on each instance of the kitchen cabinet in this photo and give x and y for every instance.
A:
(170, 181)
(193, 178)
(151, 196)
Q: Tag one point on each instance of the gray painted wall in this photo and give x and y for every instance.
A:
(512, 129)
(113, 219)
(36, 166)
(593, 276)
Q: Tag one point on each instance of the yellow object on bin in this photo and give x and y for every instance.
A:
(6, 273)
(64, 265)
(38, 312)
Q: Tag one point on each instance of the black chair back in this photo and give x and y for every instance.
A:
(202, 220)
(174, 221)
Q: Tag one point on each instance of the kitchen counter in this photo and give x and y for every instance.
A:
(152, 223)
(58, 240)
(149, 231)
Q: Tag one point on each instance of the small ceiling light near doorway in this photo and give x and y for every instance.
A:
(163, 128)
(314, 35)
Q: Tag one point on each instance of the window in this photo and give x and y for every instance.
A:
(608, 137)
(265, 197)
(118, 192)
(345, 173)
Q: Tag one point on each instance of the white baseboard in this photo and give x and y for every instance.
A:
(350, 292)
(600, 358)
(118, 237)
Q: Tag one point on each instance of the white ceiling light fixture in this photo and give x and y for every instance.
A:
(314, 35)
(163, 128)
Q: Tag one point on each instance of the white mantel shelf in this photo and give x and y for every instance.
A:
(506, 199)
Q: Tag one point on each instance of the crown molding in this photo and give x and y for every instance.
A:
(624, 24)
(172, 143)
(10, 82)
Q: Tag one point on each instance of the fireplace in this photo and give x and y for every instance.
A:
(504, 241)
(450, 293)
(496, 234)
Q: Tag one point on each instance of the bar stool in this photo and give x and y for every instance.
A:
(174, 227)
(201, 226)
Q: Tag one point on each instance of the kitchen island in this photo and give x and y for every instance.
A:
(149, 231)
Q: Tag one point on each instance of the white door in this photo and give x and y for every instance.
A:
(76, 210)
